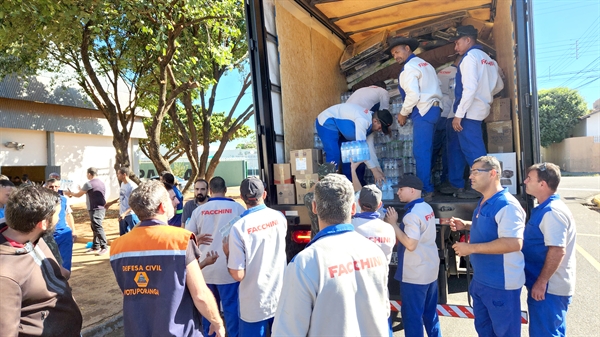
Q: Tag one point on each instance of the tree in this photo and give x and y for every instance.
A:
(559, 110)
(214, 48)
(113, 47)
(250, 144)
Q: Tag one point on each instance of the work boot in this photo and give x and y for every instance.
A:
(427, 197)
(467, 194)
(449, 190)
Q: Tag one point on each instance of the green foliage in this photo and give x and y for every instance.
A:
(250, 144)
(559, 110)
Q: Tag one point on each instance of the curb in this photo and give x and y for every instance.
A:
(596, 200)
(105, 327)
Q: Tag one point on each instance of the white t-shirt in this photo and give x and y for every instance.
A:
(257, 245)
(447, 77)
(367, 97)
(124, 193)
(335, 287)
(421, 85)
(377, 231)
(421, 266)
(210, 218)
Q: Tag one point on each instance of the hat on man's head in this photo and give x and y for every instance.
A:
(392, 42)
(252, 188)
(385, 118)
(411, 181)
(462, 31)
(54, 175)
(369, 197)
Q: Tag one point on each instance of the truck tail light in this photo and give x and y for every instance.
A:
(301, 237)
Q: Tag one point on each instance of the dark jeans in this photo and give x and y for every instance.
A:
(96, 217)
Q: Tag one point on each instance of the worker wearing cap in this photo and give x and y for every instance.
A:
(477, 81)
(420, 91)
(418, 260)
(348, 122)
(255, 251)
(374, 97)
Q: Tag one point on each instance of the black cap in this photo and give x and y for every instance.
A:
(252, 188)
(392, 42)
(411, 181)
(369, 197)
(385, 118)
(461, 31)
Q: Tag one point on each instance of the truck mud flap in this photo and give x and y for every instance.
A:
(458, 311)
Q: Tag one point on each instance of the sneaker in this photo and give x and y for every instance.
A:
(92, 251)
(467, 194)
(102, 251)
(427, 197)
(449, 190)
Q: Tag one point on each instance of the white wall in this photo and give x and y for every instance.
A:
(34, 153)
(593, 125)
(75, 153)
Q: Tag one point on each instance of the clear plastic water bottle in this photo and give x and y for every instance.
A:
(355, 152)
(318, 144)
(344, 150)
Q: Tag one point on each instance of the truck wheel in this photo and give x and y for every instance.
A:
(443, 284)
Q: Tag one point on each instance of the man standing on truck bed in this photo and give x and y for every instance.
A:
(255, 252)
(418, 260)
(336, 286)
(495, 249)
(477, 81)
(421, 94)
(549, 254)
(348, 122)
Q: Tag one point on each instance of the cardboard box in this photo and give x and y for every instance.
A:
(500, 110)
(305, 161)
(508, 162)
(304, 183)
(500, 137)
(286, 194)
(282, 174)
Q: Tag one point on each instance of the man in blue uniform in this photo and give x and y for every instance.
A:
(347, 122)
(495, 249)
(157, 269)
(549, 253)
(421, 95)
(64, 233)
(176, 219)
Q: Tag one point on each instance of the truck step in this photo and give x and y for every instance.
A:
(458, 311)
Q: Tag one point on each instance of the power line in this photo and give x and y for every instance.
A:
(589, 29)
(583, 85)
(569, 80)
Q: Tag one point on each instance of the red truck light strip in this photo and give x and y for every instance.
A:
(460, 311)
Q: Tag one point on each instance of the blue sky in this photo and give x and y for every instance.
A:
(567, 48)
(567, 45)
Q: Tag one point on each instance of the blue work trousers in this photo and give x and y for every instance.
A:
(419, 308)
(439, 145)
(333, 134)
(463, 148)
(497, 311)
(256, 329)
(227, 295)
(549, 316)
(64, 241)
(423, 130)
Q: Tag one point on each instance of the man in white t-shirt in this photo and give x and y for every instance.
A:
(255, 251)
(336, 286)
(209, 221)
(418, 260)
(127, 218)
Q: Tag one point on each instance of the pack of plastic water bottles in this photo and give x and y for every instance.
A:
(355, 151)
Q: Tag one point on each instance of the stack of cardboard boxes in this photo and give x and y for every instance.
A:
(500, 141)
(298, 177)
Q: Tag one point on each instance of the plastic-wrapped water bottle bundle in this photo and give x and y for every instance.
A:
(355, 151)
